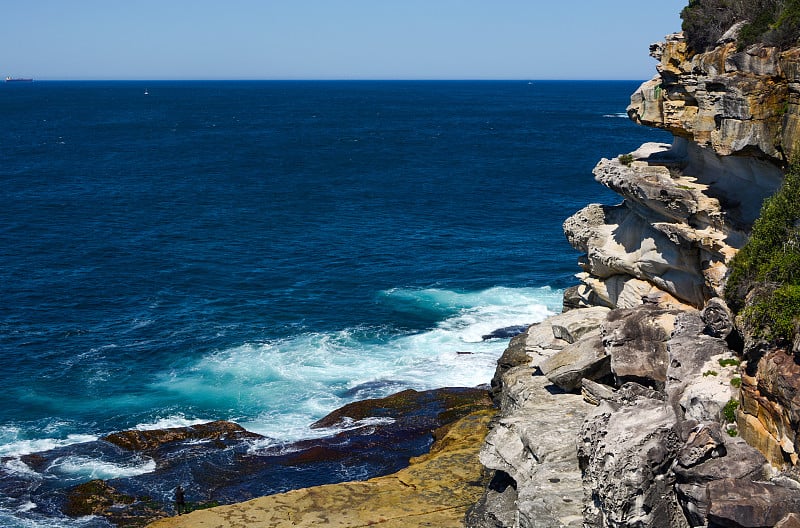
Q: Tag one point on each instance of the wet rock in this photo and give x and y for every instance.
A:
(505, 333)
(434, 490)
(439, 405)
(97, 497)
(219, 432)
(221, 463)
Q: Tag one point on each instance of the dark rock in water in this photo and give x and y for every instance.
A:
(221, 432)
(221, 463)
(505, 333)
(432, 404)
(97, 497)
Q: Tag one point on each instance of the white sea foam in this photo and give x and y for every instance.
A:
(278, 388)
(86, 468)
(14, 447)
(619, 115)
(169, 422)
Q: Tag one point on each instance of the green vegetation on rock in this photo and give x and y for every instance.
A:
(772, 22)
(764, 283)
(729, 411)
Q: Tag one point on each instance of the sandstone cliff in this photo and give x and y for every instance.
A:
(642, 405)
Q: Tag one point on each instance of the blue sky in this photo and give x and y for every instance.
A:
(333, 39)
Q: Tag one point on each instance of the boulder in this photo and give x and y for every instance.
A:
(585, 358)
(700, 369)
(636, 341)
(710, 455)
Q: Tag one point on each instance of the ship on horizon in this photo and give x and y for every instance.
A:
(18, 79)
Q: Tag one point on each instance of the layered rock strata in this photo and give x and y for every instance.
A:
(645, 367)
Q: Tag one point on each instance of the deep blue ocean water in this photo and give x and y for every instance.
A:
(266, 252)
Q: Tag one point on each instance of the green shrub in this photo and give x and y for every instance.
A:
(766, 272)
(729, 411)
(773, 22)
(736, 382)
(710, 373)
(729, 362)
(626, 159)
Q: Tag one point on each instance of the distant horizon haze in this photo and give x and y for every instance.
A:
(310, 40)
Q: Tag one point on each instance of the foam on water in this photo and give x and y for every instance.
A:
(170, 422)
(83, 468)
(13, 442)
(279, 388)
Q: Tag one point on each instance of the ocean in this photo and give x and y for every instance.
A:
(265, 252)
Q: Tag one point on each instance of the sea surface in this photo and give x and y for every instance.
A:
(266, 252)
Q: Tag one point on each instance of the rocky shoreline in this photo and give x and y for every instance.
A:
(645, 403)
(672, 414)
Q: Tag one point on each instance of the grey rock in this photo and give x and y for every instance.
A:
(594, 392)
(636, 340)
(626, 453)
(695, 379)
(586, 358)
(533, 441)
(718, 318)
(737, 502)
(514, 355)
(497, 508)
(561, 332)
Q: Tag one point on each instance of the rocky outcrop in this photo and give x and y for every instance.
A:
(663, 419)
(729, 101)
(435, 490)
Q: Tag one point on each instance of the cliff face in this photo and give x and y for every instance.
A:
(645, 374)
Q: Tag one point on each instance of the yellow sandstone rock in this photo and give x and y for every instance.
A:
(435, 491)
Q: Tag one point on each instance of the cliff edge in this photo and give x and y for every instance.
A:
(647, 402)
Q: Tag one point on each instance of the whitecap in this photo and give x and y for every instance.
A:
(19, 447)
(87, 468)
(277, 388)
(170, 422)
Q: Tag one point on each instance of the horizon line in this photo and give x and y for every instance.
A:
(34, 79)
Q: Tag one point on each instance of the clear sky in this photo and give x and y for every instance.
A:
(333, 39)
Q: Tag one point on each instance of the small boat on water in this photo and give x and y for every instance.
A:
(18, 79)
